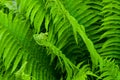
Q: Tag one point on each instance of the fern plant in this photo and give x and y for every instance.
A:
(59, 40)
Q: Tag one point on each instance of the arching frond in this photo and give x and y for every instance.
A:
(110, 26)
(17, 46)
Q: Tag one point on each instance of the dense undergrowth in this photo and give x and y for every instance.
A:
(59, 39)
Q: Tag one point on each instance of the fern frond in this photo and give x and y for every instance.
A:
(34, 10)
(110, 28)
(17, 46)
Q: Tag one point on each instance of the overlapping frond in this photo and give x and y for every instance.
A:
(33, 10)
(110, 27)
(18, 46)
(59, 39)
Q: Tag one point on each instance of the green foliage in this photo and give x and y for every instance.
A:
(59, 40)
